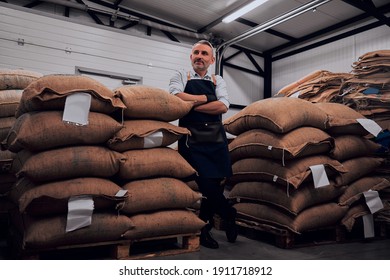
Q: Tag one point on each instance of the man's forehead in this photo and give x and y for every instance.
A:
(202, 47)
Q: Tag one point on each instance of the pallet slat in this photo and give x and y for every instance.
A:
(142, 248)
(287, 239)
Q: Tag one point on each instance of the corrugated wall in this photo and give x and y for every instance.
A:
(48, 45)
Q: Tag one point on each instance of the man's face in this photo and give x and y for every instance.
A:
(201, 57)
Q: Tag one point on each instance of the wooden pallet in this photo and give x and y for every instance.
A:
(287, 239)
(157, 246)
(143, 248)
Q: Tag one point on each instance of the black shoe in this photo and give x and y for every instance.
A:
(207, 240)
(231, 227)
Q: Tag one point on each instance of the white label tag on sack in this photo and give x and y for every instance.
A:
(370, 125)
(121, 193)
(80, 209)
(295, 94)
(368, 226)
(153, 140)
(76, 110)
(373, 201)
(320, 178)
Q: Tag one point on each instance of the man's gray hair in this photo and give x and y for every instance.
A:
(205, 42)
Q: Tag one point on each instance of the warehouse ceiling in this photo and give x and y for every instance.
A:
(270, 28)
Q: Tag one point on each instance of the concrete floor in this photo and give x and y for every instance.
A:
(249, 249)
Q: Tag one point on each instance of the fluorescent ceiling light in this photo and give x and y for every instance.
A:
(243, 10)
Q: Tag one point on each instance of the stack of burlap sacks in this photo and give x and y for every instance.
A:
(366, 89)
(279, 143)
(12, 83)
(317, 86)
(59, 161)
(154, 174)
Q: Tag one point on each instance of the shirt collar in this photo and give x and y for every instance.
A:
(196, 75)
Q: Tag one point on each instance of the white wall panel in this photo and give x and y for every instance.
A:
(56, 46)
(244, 88)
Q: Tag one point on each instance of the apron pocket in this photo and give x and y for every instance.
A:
(206, 133)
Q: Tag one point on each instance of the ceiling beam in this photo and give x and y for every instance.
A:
(33, 4)
(91, 14)
(139, 15)
(329, 29)
(329, 40)
(369, 7)
(270, 31)
(129, 25)
(170, 36)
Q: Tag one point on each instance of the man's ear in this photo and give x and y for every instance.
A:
(212, 60)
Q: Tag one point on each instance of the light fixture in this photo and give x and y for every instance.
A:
(243, 10)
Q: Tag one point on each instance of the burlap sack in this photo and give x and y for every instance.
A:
(351, 146)
(376, 53)
(164, 223)
(145, 102)
(357, 168)
(152, 163)
(294, 86)
(17, 79)
(158, 194)
(299, 142)
(193, 185)
(50, 92)
(71, 162)
(52, 198)
(140, 134)
(49, 232)
(279, 115)
(9, 101)
(315, 217)
(342, 119)
(19, 159)
(359, 210)
(294, 173)
(355, 190)
(292, 200)
(39, 131)
(7, 182)
(6, 160)
(5, 126)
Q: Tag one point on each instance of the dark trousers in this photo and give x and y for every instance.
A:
(214, 201)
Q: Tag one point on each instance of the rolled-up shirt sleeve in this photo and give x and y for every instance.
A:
(176, 84)
(179, 80)
(221, 91)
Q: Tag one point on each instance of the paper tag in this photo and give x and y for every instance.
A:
(80, 209)
(295, 94)
(121, 193)
(275, 178)
(368, 226)
(153, 140)
(269, 148)
(320, 177)
(76, 108)
(373, 201)
(370, 125)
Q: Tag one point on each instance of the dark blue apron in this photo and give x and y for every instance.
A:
(207, 148)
